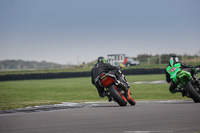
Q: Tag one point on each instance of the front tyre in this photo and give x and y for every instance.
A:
(192, 92)
(117, 96)
(130, 99)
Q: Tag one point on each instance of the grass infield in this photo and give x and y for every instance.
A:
(20, 94)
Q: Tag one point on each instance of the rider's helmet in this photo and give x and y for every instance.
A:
(101, 60)
(173, 60)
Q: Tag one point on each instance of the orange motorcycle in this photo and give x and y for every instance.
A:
(115, 92)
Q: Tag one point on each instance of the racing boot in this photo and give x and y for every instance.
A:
(184, 93)
(179, 89)
(103, 94)
(109, 96)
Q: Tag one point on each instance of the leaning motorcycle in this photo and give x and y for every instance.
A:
(114, 92)
(190, 83)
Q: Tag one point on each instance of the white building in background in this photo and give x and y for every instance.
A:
(115, 59)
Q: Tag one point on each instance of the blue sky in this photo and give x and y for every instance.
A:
(71, 31)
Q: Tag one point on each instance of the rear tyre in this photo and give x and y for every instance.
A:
(192, 92)
(117, 96)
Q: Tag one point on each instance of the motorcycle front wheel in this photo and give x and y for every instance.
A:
(192, 92)
(117, 96)
(132, 101)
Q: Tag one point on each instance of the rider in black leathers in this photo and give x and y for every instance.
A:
(102, 67)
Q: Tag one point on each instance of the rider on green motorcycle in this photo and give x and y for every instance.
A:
(174, 66)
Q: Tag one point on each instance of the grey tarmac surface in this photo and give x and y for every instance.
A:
(145, 117)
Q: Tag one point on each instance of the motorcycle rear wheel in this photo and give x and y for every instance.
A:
(117, 96)
(192, 92)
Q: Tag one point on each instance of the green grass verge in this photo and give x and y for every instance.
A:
(152, 91)
(19, 94)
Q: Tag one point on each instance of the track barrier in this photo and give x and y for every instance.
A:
(141, 71)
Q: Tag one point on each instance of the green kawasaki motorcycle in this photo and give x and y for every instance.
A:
(185, 80)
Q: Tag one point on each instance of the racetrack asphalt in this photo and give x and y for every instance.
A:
(144, 117)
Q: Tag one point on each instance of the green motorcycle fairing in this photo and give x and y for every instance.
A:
(183, 76)
(178, 75)
(172, 70)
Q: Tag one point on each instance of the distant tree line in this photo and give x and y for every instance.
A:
(164, 58)
(28, 65)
